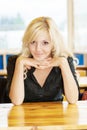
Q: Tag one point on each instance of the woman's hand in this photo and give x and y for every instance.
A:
(46, 63)
(53, 62)
(30, 62)
(57, 61)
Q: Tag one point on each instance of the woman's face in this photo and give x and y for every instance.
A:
(41, 47)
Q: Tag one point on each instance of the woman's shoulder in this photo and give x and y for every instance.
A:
(11, 64)
(12, 58)
(70, 59)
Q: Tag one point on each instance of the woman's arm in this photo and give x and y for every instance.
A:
(17, 85)
(70, 84)
(16, 93)
(69, 77)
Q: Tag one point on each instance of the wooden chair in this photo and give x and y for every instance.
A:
(82, 70)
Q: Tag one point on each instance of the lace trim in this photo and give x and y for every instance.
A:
(25, 73)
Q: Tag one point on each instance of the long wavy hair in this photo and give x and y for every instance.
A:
(44, 24)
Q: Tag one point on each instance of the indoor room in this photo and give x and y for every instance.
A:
(32, 60)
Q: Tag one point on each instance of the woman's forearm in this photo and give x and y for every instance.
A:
(70, 86)
(17, 86)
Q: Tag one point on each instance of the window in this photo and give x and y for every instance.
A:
(80, 25)
(15, 15)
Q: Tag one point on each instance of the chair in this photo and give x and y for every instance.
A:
(82, 70)
(3, 82)
(6, 81)
(10, 69)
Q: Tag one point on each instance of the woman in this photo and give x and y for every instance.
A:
(45, 69)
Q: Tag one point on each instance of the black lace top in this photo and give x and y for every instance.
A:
(52, 89)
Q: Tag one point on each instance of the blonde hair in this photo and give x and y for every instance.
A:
(44, 24)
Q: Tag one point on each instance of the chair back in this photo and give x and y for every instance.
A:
(3, 82)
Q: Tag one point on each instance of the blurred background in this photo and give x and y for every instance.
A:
(70, 16)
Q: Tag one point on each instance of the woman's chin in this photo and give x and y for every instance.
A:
(39, 59)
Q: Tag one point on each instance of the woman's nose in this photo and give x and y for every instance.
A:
(38, 47)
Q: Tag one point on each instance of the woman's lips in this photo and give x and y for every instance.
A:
(38, 54)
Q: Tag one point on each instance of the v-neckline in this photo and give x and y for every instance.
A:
(46, 80)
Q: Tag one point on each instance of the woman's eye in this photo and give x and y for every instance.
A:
(32, 42)
(46, 43)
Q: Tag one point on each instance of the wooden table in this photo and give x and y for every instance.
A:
(44, 116)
